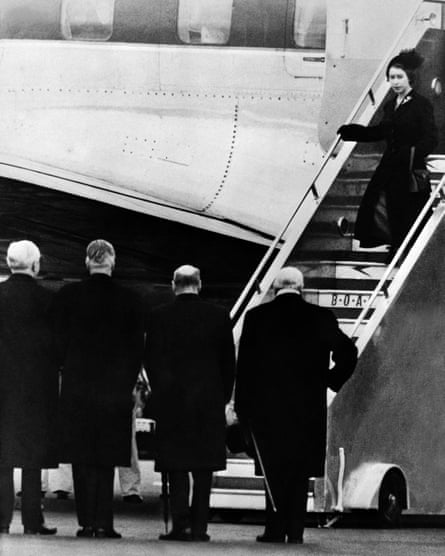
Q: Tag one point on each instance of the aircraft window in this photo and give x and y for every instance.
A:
(204, 21)
(310, 24)
(89, 20)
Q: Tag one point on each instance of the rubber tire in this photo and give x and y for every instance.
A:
(391, 499)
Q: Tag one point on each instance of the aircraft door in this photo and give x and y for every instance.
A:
(306, 27)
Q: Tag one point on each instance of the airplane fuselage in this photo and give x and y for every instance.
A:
(220, 136)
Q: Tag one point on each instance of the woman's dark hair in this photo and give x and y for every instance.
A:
(409, 61)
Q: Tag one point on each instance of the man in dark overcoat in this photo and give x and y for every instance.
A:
(101, 337)
(29, 387)
(280, 395)
(190, 362)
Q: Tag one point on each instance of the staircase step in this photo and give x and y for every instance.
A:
(349, 312)
(341, 200)
(350, 284)
(339, 299)
(361, 255)
(326, 241)
(239, 466)
(361, 163)
(234, 499)
(349, 187)
(325, 225)
(357, 270)
(357, 249)
(234, 482)
(347, 326)
(329, 214)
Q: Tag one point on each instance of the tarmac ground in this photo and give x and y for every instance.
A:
(141, 525)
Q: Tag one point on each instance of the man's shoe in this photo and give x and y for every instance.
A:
(295, 540)
(4, 530)
(85, 533)
(269, 538)
(202, 537)
(106, 534)
(183, 535)
(133, 499)
(42, 530)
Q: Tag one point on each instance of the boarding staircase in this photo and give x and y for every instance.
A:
(355, 283)
(352, 282)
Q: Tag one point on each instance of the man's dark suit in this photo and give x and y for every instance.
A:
(101, 338)
(283, 373)
(190, 362)
(29, 389)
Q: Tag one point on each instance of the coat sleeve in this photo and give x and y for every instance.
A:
(228, 359)
(344, 355)
(361, 133)
(245, 371)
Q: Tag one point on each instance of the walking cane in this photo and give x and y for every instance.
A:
(164, 496)
(263, 471)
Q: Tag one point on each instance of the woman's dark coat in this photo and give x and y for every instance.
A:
(282, 377)
(190, 362)
(100, 329)
(411, 124)
(29, 378)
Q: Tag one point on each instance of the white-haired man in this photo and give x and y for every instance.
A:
(282, 376)
(190, 362)
(101, 339)
(29, 384)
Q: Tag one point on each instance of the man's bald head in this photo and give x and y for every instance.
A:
(288, 277)
(186, 279)
(23, 256)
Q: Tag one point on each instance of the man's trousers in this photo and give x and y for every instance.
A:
(32, 517)
(185, 516)
(288, 487)
(93, 492)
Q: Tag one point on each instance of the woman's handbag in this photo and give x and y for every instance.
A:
(419, 179)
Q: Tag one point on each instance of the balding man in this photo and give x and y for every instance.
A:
(283, 373)
(29, 384)
(190, 361)
(101, 338)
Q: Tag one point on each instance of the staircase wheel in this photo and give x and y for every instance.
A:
(392, 498)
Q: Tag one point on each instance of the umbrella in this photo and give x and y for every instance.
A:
(164, 496)
(263, 471)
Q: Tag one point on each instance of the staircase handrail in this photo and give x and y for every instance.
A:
(253, 283)
(381, 286)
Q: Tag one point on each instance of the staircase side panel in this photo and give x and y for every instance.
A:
(393, 408)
